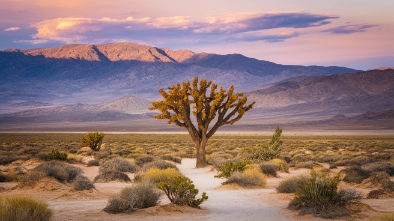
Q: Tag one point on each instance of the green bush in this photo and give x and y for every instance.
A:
(158, 164)
(263, 152)
(82, 183)
(180, 190)
(248, 178)
(93, 140)
(291, 185)
(59, 170)
(138, 196)
(227, 168)
(55, 154)
(23, 209)
(320, 196)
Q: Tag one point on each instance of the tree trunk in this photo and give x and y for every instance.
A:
(200, 154)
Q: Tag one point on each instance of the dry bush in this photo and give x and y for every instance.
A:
(283, 167)
(82, 183)
(118, 164)
(270, 168)
(144, 158)
(5, 178)
(55, 154)
(93, 163)
(7, 159)
(171, 158)
(291, 185)
(379, 167)
(231, 166)
(355, 174)
(248, 178)
(138, 196)
(111, 175)
(59, 170)
(23, 209)
(158, 164)
(156, 175)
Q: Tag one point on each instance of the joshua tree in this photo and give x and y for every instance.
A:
(93, 140)
(182, 101)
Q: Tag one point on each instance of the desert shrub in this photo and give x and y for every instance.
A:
(103, 155)
(93, 140)
(5, 178)
(138, 196)
(56, 169)
(384, 217)
(262, 153)
(111, 175)
(144, 158)
(23, 209)
(355, 174)
(217, 160)
(171, 158)
(379, 167)
(290, 185)
(270, 168)
(383, 179)
(119, 165)
(154, 175)
(55, 154)
(82, 183)
(227, 168)
(158, 164)
(248, 178)
(320, 196)
(359, 160)
(308, 164)
(7, 159)
(180, 190)
(93, 163)
(283, 167)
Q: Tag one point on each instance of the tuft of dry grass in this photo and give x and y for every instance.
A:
(248, 178)
(156, 175)
(23, 209)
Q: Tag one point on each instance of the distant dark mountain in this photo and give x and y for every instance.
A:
(92, 73)
(335, 94)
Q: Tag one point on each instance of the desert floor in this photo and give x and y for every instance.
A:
(230, 203)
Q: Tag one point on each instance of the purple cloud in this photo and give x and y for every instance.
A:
(349, 29)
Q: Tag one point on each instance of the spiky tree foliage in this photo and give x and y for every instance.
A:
(93, 140)
(202, 100)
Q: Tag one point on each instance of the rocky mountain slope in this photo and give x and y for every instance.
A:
(93, 73)
(335, 94)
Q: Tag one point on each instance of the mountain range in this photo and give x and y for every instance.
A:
(115, 83)
(93, 73)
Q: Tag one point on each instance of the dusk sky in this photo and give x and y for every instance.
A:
(352, 33)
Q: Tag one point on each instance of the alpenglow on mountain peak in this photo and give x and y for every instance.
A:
(121, 51)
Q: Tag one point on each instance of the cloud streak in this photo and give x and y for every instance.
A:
(12, 29)
(349, 29)
(246, 27)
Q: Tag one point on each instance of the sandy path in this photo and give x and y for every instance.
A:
(224, 204)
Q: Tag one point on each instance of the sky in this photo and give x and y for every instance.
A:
(351, 33)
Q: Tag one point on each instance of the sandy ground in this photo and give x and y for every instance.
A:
(224, 203)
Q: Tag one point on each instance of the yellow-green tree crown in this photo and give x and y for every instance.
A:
(205, 101)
